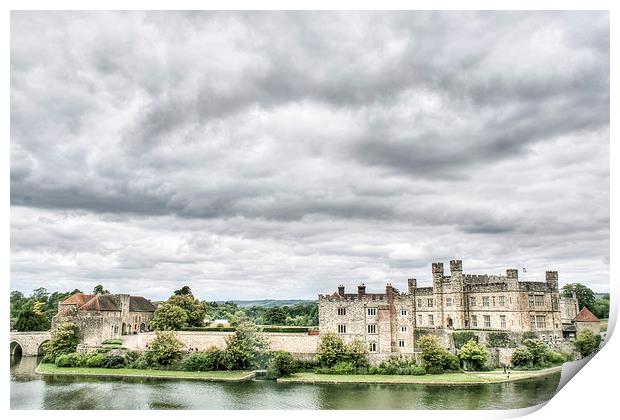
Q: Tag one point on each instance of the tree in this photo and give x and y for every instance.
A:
(587, 342)
(585, 295)
(185, 290)
(275, 316)
(473, 355)
(331, 350)
(601, 307)
(194, 309)
(169, 318)
(30, 318)
(65, 339)
(99, 290)
(245, 349)
(166, 348)
(282, 364)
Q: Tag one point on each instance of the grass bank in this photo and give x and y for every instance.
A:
(604, 324)
(221, 376)
(458, 378)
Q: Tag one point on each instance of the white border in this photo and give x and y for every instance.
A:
(591, 393)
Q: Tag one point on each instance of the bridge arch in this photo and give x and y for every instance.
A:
(16, 348)
(41, 349)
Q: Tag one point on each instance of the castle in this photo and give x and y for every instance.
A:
(387, 322)
(101, 317)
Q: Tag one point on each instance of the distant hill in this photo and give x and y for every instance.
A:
(266, 303)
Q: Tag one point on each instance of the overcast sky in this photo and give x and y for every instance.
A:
(277, 155)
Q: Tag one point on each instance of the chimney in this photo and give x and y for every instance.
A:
(361, 290)
(341, 290)
(512, 273)
(389, 293)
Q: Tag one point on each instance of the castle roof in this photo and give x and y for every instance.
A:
(77, 299)
(586, 316)
(140, 304)
(108, 302)
(102, 303)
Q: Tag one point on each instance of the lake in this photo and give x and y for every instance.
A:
(32, 391)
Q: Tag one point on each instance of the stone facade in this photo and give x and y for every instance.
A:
(387, 322)
(101, 317)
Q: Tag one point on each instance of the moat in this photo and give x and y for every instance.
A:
(32, 391)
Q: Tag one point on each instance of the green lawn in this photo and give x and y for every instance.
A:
(232, 376)
(443, 379)
(604, 323)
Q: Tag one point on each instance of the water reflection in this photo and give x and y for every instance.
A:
(31, 391)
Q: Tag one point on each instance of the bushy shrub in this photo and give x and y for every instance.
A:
(245, 349)
(528, 335)
(131, 356)
(418, 370)
(71, 360)
(113, 361)
(203, 361)
(331, 350)
(522, 357)
(587, 342)
(343, 368)
(142, 362)
(282, 364)
(307, 365)
(538, 349)
(65, 339)
(95, 360)
(356, 353)
(165, 348)
(435, 357)
(555, 357)
(473, 355)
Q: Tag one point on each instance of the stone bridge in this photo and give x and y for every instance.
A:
(28, 343)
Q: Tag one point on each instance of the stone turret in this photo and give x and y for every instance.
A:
(437, 271)
(341, 290)
(361, 290)
(456, 267)
(389, 293)
(551, 278)
(412, 284)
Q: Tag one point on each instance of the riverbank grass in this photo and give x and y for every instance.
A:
(458, 378)
(220, 376)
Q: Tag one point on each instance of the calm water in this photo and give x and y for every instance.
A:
(31, 391)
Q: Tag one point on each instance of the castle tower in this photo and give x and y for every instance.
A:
(412, 284)
(456, 312)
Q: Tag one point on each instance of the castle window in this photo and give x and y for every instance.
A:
(541, 323)
(539, 300)
(342, 311)
(485, 301)
(371, 311)
(493, 300)
(401, 343)
(403, 312)
(372, 328)
(342, 329)
(502, 321)
(449, 301)
(430, 303)
(403, 328)
(554, 303)
(533, 322)
(372, 347)
(431, 320)
(419, 303)
(472, 301)
(474, 321)
(419, 319)
(502, 301)
(487, 321)
(530, 301)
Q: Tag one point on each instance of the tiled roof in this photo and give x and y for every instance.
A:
(140, 304)
(586, 316)
(77, 299)
(102, 303)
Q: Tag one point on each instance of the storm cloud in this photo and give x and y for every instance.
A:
(273, 154)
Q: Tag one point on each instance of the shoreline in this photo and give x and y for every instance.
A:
(49, 369)
(460, 378)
